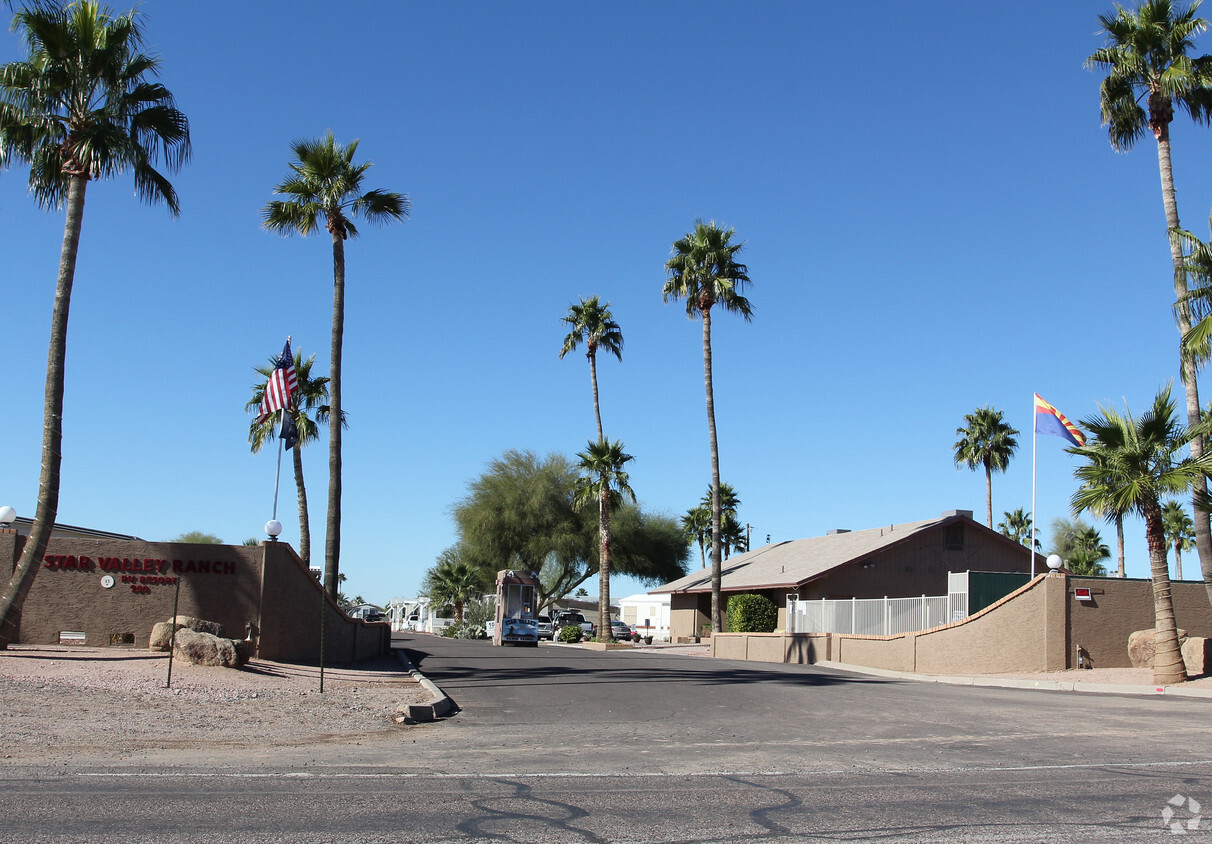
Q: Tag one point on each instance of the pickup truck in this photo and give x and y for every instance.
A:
(574, 619)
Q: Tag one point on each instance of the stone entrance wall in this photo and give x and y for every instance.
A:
(101, 592)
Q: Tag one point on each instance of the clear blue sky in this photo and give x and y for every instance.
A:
(934, 221)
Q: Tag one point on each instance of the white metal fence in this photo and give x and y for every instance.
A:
(876, 616)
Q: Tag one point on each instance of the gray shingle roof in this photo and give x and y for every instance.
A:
(794, 563)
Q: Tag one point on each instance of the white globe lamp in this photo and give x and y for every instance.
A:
(7, 516)
(1055, 562)
(273, 529)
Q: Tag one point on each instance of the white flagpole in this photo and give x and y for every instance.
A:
(1034, 437)
(278, 475)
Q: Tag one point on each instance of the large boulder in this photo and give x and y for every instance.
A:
(161, 636)
(162, 633)
(207, 649)
(1142, 646)
(1197, 656)
(199, 625)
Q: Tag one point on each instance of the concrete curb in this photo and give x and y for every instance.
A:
(438, 706)
(1022, 683)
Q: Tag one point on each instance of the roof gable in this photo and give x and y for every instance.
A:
(793, 563)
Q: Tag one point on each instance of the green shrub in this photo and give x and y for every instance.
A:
(466, 630)
(571, 633)
(751, 614)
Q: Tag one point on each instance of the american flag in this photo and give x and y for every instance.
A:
(281, 386)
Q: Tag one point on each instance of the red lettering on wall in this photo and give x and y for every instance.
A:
(177, 565)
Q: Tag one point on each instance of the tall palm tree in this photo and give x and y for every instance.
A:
(605, 480)
(986, 440)
(325, 183)
(82, 105)
(1135, 462)
(1017, 526)
(1180, 532)
(1147, 58)
(592, 323)
(309, 410)
(704, 272)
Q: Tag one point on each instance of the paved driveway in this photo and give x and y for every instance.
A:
(647, 711)
(563, 745)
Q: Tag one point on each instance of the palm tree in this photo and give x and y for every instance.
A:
(309, 397)
(1134, 463)
(1087, 553)
(703, 271)
(592, 323)
(1102, 501)
(324, 182)
(1147, 58)
(696, 527)
(605, 480)
(1017, 526)
(986, 440)
(453, 582)
(81, 106)
(1180, 532)
(732, 536)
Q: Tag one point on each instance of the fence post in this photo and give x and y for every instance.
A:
(853, 615)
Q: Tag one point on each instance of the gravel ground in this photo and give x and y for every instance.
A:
(57, 701)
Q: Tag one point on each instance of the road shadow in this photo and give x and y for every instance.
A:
(503, 667)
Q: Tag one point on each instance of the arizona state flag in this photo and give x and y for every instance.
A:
(1049, 420)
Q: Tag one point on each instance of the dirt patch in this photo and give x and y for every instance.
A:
(57, 702)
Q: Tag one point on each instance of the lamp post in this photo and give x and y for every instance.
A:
(7, 516)
(273, 529)
(1055, 562)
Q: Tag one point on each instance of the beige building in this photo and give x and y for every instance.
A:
(900, 560)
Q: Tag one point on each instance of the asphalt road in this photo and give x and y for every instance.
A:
(556, 744)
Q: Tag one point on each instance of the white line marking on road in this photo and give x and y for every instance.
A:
(308, 775)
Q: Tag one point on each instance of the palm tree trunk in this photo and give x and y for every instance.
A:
(989, 495)
(13, 598)
(717, 624)
(304, 522)
(332, 539)
(702, 552)
(1119, 543)
(593, 379)
(1203, 528)
(605, 633)
(1178, 560)
(1168, 664)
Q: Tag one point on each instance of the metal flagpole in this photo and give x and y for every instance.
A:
(1034, 437)
(278, 475)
